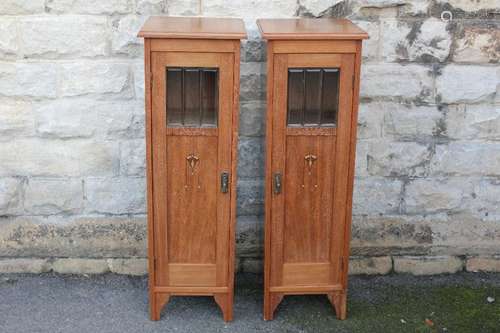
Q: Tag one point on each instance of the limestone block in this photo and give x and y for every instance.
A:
(84, 78)
(24, 265)
(479, 45)
(10, 196)
(483, 264)
(252, 118)
(108, 7)
(386, 80)
(53, 196)
(84, 118)
(34, 157)
(115, 195)
(28, 79)
(370, 265)
(16, 119)
(407, 121)
(129, 266)
(466, 158)
(80, 266)
(253, 81)
(388, 158)
(370, 48)
(55, 36)
(251, 154)
(472, 122)
(8, 37)
(124, 37)
(250, 9)
(459, 83)
(133, 158)
(250, 236)
(183, 7)
(426, 41)
(20, 7)
(427, 265)
(151, 7)
(376, 196)
(250, 200)
(74, 236)
(432, 195)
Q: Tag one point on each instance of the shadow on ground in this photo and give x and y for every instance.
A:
(113, 303)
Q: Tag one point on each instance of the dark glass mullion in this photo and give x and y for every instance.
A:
(303, 108)
(322, 75)
(200, 98)
(183, 85)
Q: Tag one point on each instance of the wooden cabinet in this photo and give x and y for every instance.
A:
(312, 93)
(192, 96)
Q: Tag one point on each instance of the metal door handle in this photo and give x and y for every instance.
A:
(224, 182)
(277, 183)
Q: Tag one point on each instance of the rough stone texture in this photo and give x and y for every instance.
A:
(451, 85)
(385, 80)
(17, 7)
(427, 265)
(24, 265)
(370, 266)
(53, 196)
(89, 6)
(416, 41)
(80, 266)
(483, 264)
(53, 36)
(115, 195)
(478, 44)
(62, 158)
(72, 128)
(95, 78)
(137, 266)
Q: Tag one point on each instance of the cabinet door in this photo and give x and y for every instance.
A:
(312, 104)
(192, 96)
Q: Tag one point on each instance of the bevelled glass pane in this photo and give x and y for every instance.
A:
(210, 94)
(330, 97)
(192, 97)
(296, 97)
(313, 96)
(192, 107)
(174, 96)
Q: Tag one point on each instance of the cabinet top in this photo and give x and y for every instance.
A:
(193, 28)
(307, 28)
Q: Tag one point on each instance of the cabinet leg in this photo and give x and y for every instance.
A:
(156, 303)
(271, 302)
(339, 302)
(225, 303)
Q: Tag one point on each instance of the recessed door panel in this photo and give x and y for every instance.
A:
(192, 118)
(310, 152)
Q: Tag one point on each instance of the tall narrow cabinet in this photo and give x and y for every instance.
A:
(312, 102)
(192, 93)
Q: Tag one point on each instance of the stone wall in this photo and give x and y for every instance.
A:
(72, 183)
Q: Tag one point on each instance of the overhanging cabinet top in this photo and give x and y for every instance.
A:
(193, 28)
(310, 29)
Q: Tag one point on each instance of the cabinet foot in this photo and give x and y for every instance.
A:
(339, 302)
(271, 302)
(225, 303)
(156, 303)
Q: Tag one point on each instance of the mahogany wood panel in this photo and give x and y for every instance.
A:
(190, 220)
(307, 231)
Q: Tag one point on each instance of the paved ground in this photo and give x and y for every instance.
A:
(112, 303)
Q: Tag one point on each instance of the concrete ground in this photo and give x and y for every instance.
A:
(114, 303)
